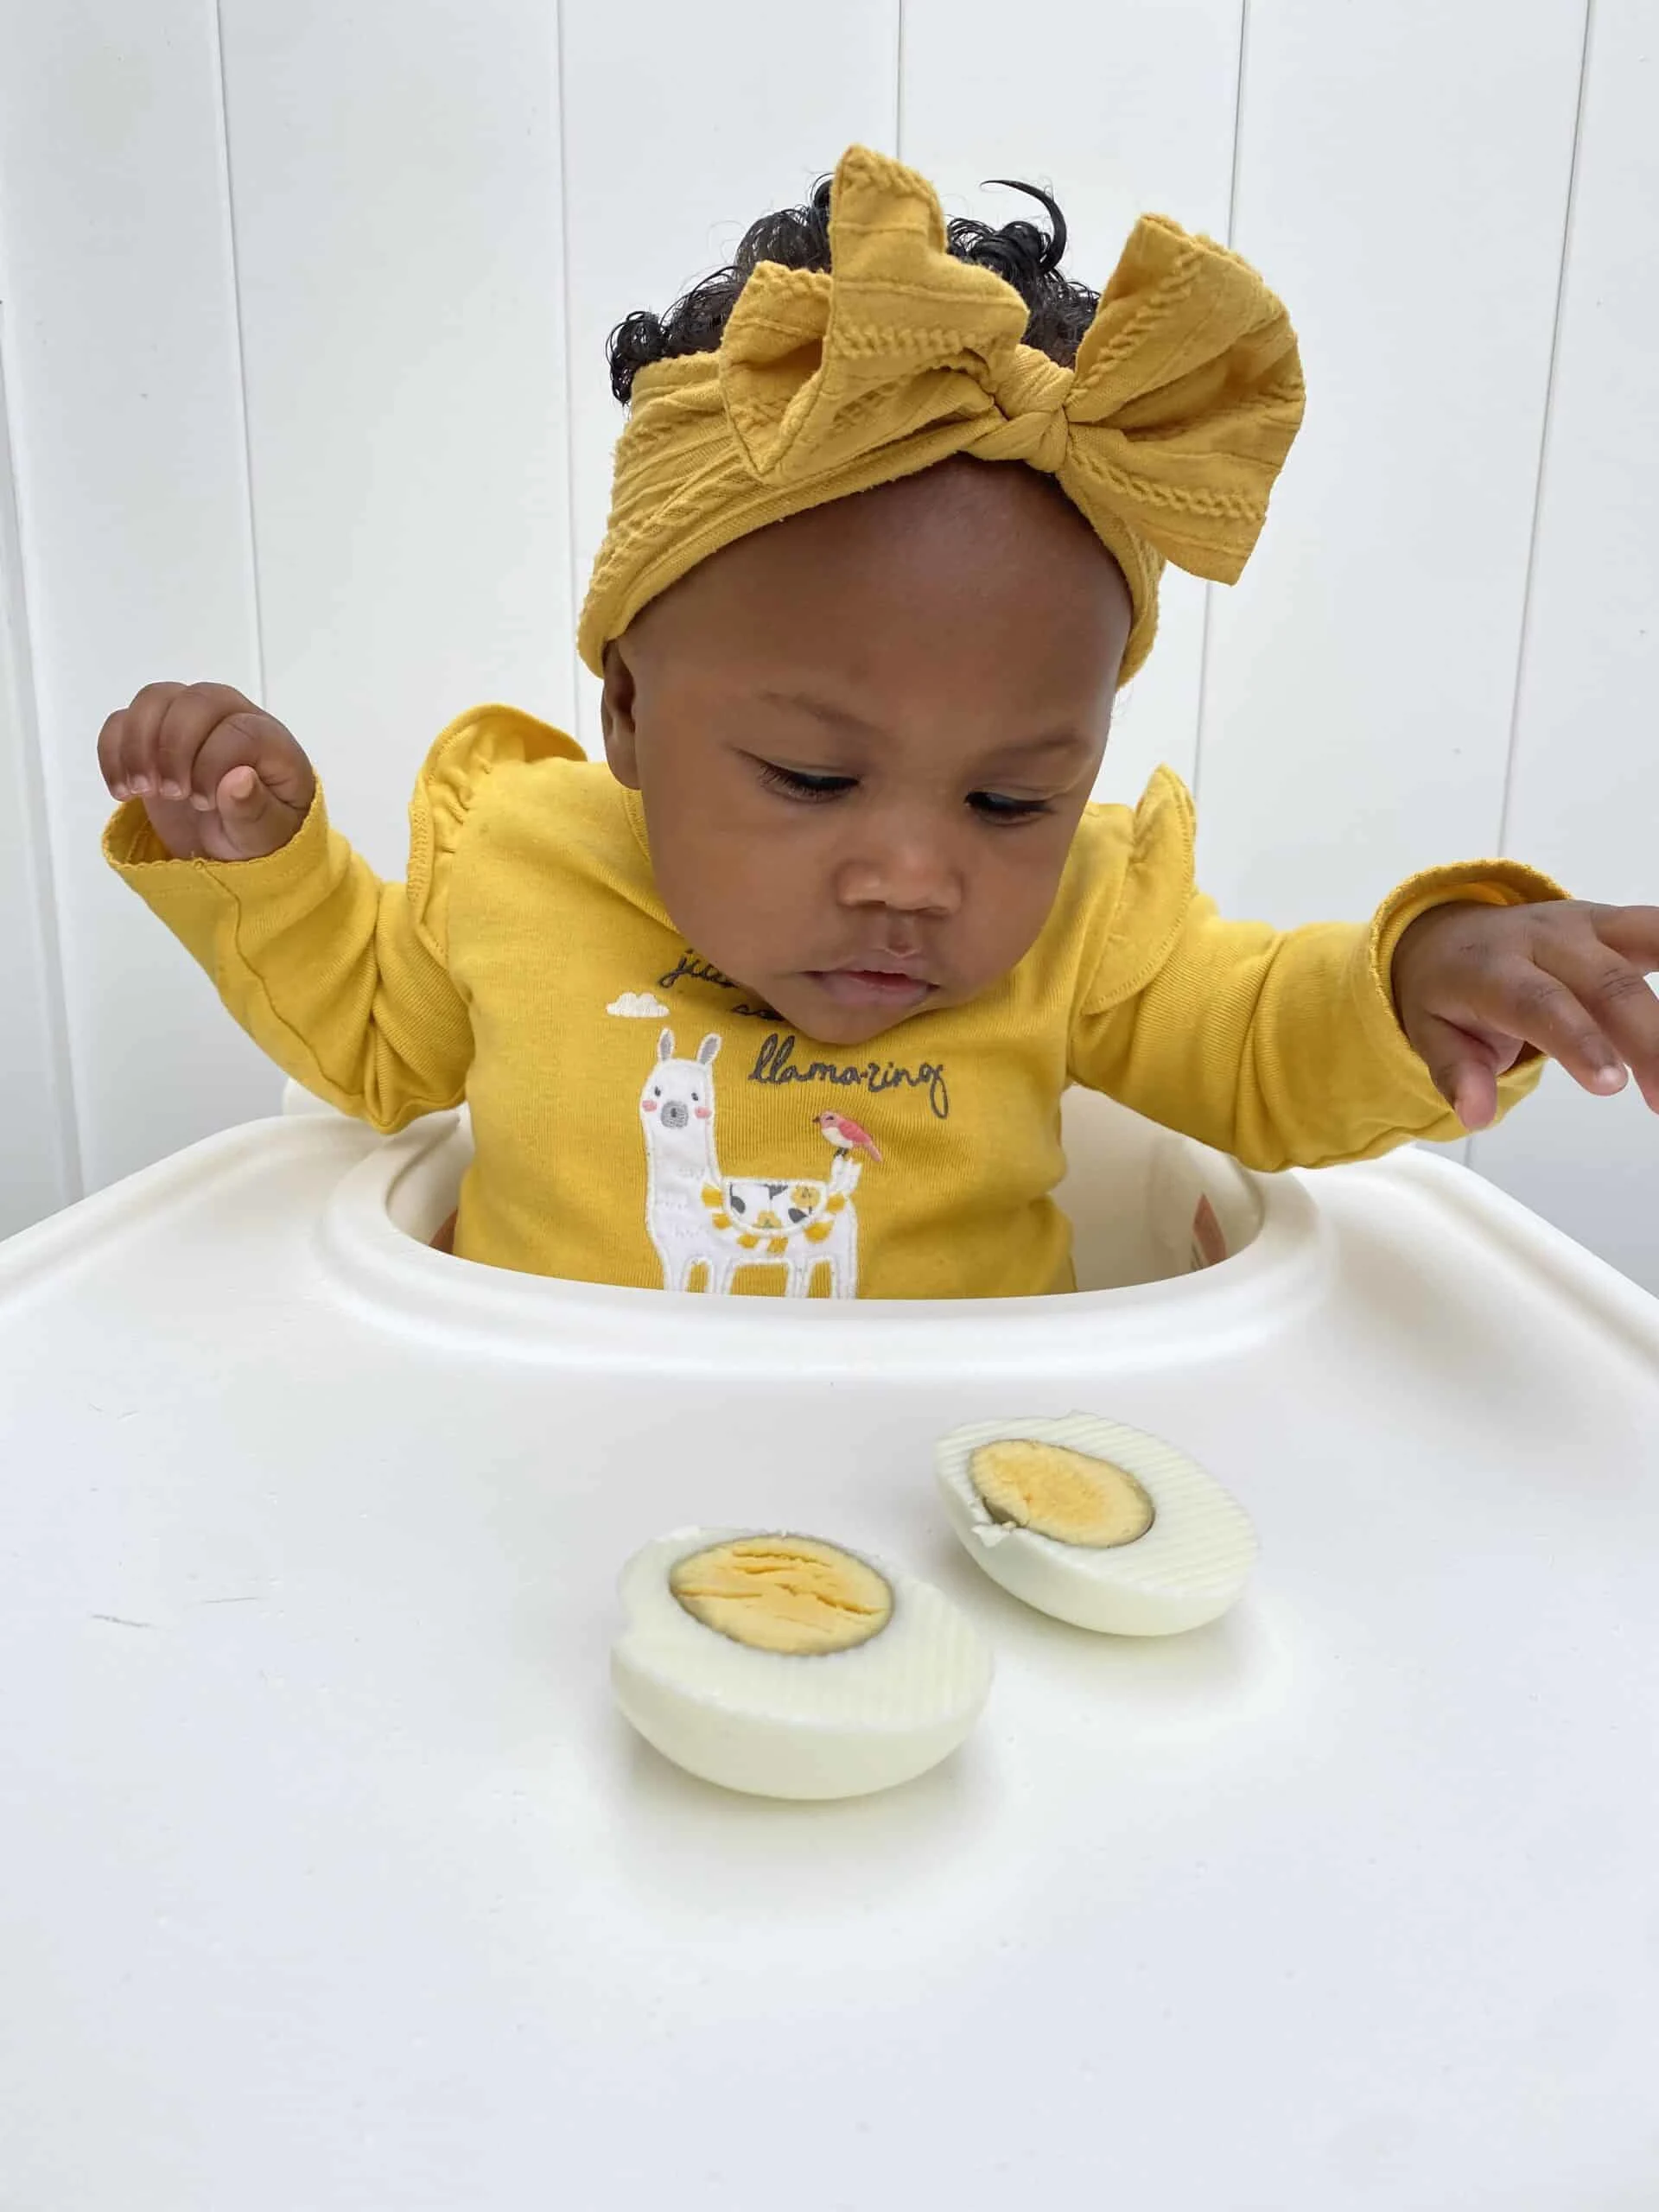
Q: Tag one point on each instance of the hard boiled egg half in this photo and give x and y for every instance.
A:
(1097, 1524)
(788, 1666)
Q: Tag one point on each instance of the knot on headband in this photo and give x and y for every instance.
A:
(1166, 435)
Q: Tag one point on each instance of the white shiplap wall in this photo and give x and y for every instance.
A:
(1404, 173)
(301, 319)
(1583, 794)
(123, 392)
(394, 173)
(39, 1166)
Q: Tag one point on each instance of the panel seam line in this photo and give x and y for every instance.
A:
(241, 352)
(1545, 427)
(1211, 589)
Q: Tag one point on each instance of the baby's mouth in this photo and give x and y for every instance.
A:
(874, 986)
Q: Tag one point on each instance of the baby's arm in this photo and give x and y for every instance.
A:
(1280, 1047)
(333, 973)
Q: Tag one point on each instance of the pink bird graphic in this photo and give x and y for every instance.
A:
(847, 1136)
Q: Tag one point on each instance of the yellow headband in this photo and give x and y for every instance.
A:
(1167, 435)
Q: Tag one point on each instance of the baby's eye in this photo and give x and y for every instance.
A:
(996, 806)
(797, 783)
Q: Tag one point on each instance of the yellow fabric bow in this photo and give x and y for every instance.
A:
(1167, 435)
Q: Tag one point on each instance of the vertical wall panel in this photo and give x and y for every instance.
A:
(127, 440)
(1585, 792)
(395, 180)
(682, 125)
(1129, 108)
(39, 1168)
(1403, 181)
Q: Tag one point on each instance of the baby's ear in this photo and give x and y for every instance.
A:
(616, 716)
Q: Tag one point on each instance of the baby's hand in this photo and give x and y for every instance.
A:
(1476, 985)
(219, 776)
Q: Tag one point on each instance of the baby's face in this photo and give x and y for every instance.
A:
(863, 739)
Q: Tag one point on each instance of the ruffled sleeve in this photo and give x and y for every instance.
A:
(1280, 1047)
(343, 979)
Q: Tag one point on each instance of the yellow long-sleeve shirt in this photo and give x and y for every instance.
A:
(639, 1120)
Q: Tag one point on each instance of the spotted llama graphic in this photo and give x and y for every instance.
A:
(702, 1223)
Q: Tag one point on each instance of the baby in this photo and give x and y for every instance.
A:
(784, 994)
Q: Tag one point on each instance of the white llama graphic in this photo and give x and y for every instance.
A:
(696, 1217)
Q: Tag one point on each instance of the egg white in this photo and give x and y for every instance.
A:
(1187, 1569)
(812, 1725)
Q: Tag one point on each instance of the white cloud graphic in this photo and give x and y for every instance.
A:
(638, 1005)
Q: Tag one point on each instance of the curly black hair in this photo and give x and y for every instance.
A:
(1020, 253)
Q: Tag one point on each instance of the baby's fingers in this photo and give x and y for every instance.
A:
(1632, 931)
(126, 744)
(1530, 1002)
(109, 755)
(256, 823)
(186, 722)
(1616, 998)
(1464, 1069)
(249, 738)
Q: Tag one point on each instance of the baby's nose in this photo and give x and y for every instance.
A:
(907, 876)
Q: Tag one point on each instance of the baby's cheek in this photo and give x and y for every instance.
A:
(1003, 931)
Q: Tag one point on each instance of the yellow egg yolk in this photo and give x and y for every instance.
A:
(1061, 1493)
(784, 1593)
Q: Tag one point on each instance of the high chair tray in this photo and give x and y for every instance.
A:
(333, 1880)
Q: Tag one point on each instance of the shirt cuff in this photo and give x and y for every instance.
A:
(137, 855)
(1479, 883)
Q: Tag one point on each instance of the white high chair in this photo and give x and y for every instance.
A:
(333, 1880)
